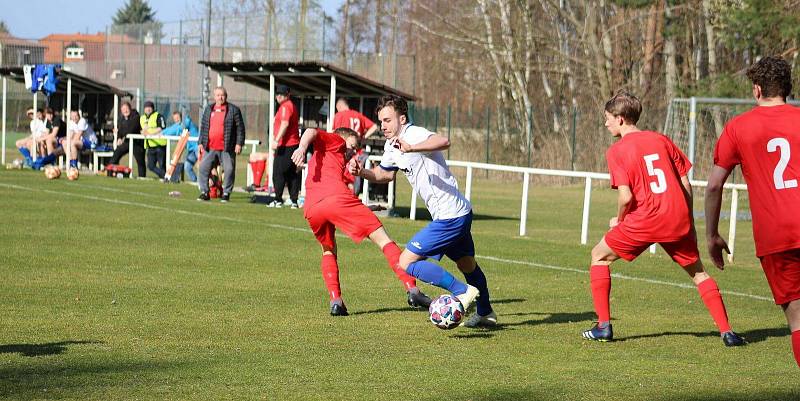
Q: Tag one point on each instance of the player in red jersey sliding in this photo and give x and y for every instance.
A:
(761, 141)
(654, 206)
(330, 204)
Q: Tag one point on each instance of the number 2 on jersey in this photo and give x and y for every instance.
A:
(786, 153)
(660, 185)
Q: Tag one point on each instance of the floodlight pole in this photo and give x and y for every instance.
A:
(69, 110)
(332, 103)
(5, 92)
(35, 153)
(116, 119)
(271, 129)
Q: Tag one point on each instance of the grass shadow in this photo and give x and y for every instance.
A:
(550, 318)
(387, 310)
(751, 336)
(32, 350)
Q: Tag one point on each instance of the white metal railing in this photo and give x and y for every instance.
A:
(587, 193)
(252, 142)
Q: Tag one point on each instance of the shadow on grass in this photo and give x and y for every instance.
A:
(549, 318)
(751, 336)
(388, 310)
(73, 379)
(409, 309)
(42, 349)
(755, 395)
(424, 214)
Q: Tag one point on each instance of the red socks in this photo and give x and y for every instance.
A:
(392, 253)
(330, 274)
(709, 292)
(600, 279)
(796, 346)
(258, 167)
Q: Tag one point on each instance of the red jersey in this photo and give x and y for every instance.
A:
(326, 168)
(762, 141)
(652, 166)
(216, 127)
(353, 120)
(287, 112)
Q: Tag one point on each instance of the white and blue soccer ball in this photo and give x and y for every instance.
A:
(446, 312)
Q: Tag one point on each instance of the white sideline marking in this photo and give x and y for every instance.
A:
(306, 230)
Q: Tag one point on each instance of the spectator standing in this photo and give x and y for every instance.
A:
(152, 123)
(286, 133)
(222, 135)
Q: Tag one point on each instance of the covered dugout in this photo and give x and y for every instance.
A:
(314, 84)
(93, 98)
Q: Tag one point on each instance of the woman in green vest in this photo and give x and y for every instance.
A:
(152, 123)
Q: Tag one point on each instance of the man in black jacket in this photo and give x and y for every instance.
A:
(221, 139)
(129, 124)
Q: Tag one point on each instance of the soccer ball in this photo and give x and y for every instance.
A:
(17, 163)
(52, 172)
(73, 174)
(446, 312)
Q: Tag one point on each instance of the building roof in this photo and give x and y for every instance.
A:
(8, 39)
(305, 78)
(80, 84)
(99, 37)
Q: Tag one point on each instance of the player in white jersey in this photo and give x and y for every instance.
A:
(417, 153)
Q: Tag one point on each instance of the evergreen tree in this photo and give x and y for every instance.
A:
(137, 19)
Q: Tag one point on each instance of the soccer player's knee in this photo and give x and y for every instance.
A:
(466, 264)
(599, 253)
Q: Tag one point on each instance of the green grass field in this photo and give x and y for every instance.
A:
(112, 290)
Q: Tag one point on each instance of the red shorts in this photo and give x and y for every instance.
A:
(344, 212)
(783, 275)
(684, 251)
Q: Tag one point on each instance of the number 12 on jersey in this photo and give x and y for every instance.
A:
(660, 185)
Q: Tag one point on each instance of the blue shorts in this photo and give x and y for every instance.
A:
(451, 238)
(87, 144)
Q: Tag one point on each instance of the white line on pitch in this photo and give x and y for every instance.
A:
(305, 230)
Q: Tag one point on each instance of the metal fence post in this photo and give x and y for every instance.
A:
(732, 226)
(530, 135)
(587, 201)
(523, 213)
(449, 111)
(573, 129)
(488, 129)
(692, 132)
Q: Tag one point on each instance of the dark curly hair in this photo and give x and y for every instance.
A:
(625, 105)
(396, 102)
(773, 74)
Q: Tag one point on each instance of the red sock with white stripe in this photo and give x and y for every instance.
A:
(330, 274)
(600, 280)
(392, 253)
(709, 292)
(258, 168)
(796, 346)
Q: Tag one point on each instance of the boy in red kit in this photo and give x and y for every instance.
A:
(761, 141)
(654, 206)
(330, 205)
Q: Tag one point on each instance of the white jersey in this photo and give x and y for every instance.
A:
(84, 127)
(428, 174)
(38, 128)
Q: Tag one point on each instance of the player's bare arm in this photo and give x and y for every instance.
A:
(281, 132)
(371, 131)
(624, 199)
(433, 143)
(713, 205)
(299, 155)
(376, 174)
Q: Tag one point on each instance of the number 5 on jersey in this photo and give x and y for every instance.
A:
(777, 175)
(660, 185)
